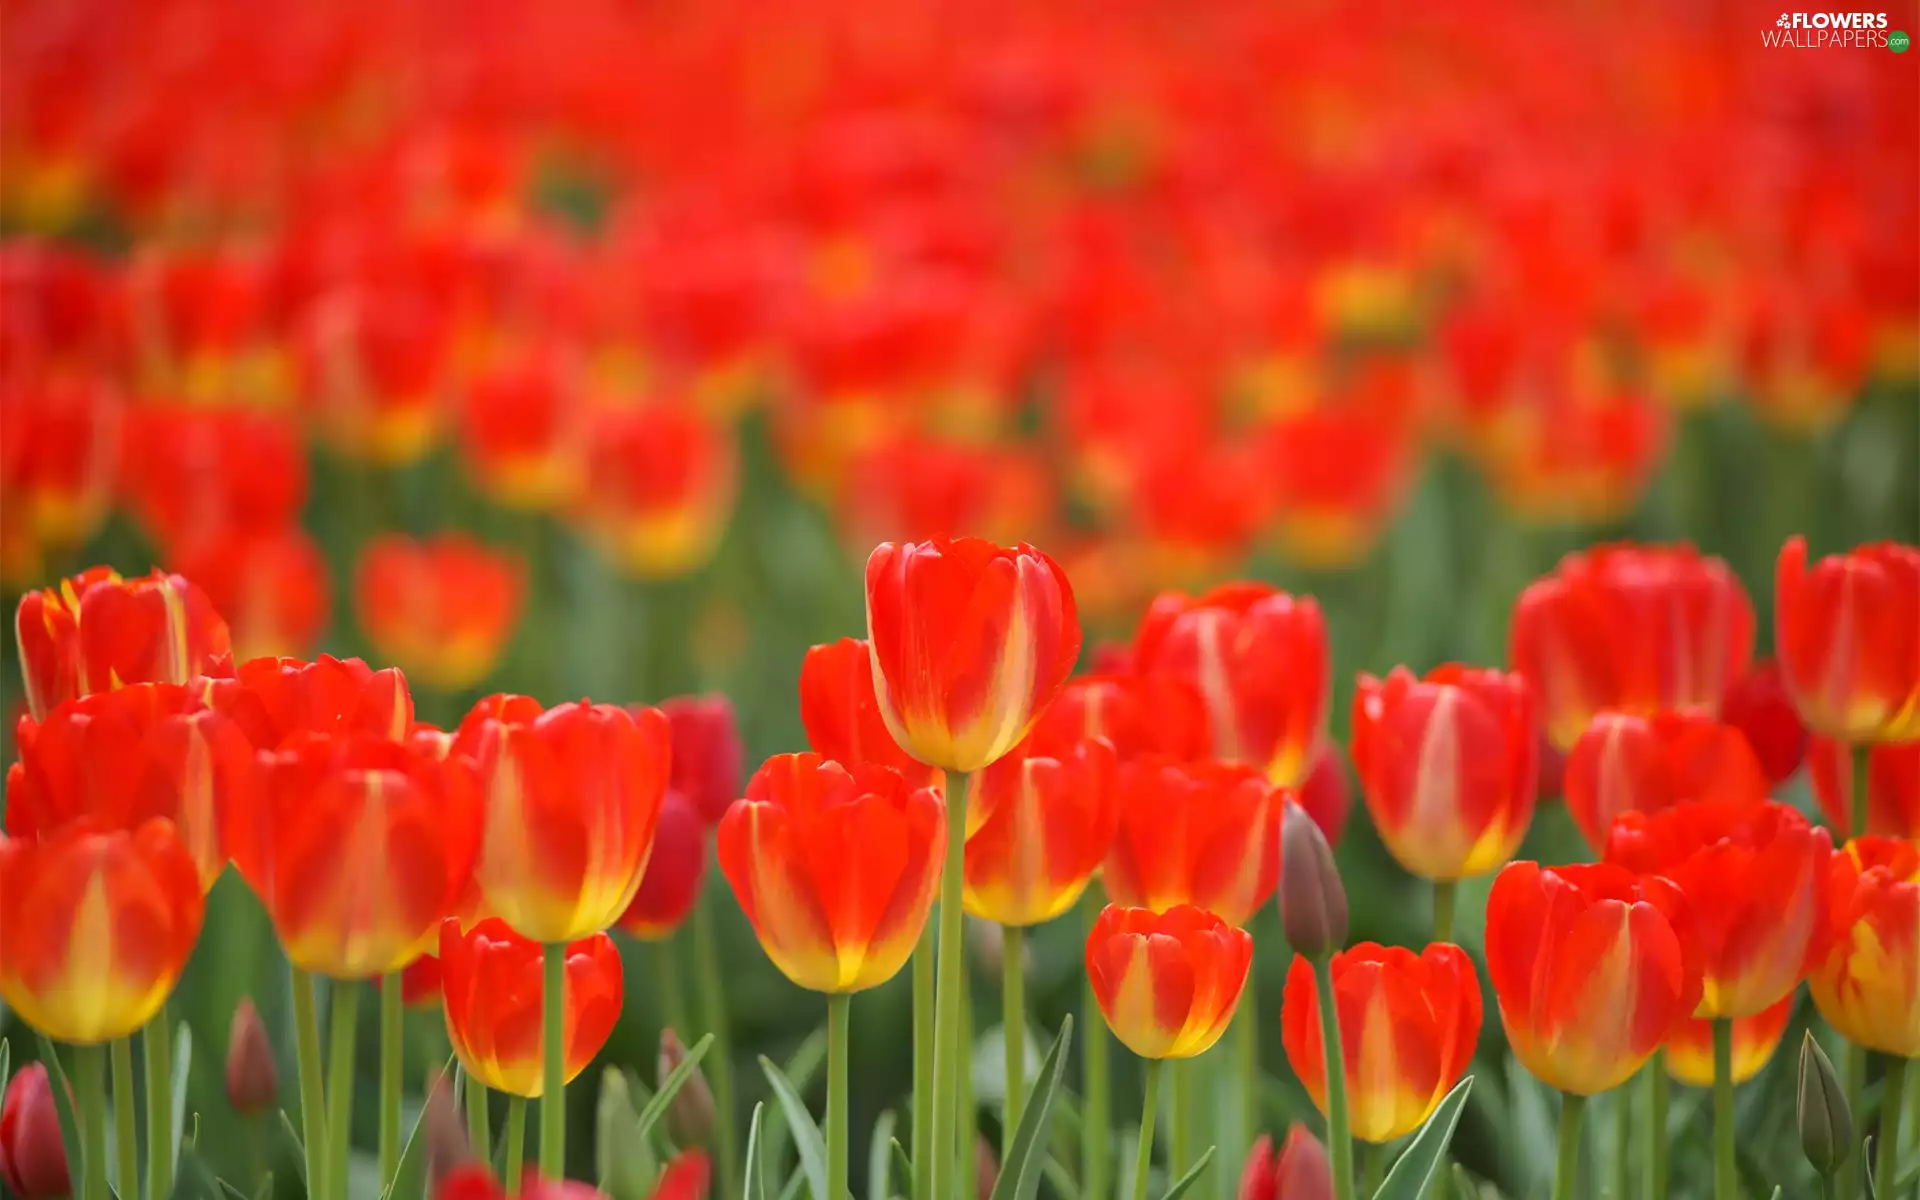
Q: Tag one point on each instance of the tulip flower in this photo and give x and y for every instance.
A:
(706, 753)
(1689, 1049)
(272, 586)
(660, 483)
(1759, 707)
(1299, 1170)
(1167, 982)
(1137, 714)
(276, 699)
(1258, 658)
(841, 712)
(204, 470)
(670, 886)
(1579, 1028)
(691, 1115)
(1820, 1110)
(370, 360)
(442, 609)
(33, 1160)
(97, 631)
(253, 1083)
(1204, 834)
(1633, 628)
(1313, 901)
(492, 979)
(1626, 763)
(1866, 980)
(520, 436)
(1893, 787)
(685, 1178)
(1408, 1024)
(1848, 633)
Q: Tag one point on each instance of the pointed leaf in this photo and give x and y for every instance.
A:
(196, 1181)
(410, 1174)
(879, 1186)
(625, 1164)
(902, 1161)
(1418, 1166)
(756, 1186)
(177, 1086)
(1192, 1176)
(6, 1065)
(806, 1062)
(1866, 1160)
(265, 1190)
(229, 1191)
(806, 1134)
(1059, 1179)
(299, 1147)
(1020, 1173)
(795, 1182)
(670, 1086)
(62, 1101)
(1776, 1192)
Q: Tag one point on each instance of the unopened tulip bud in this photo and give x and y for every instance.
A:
(691, 1116)
(253, 1082)
(446, 1133)
(986, 1167)
(33, 1162)
(1300, 1169)
(1820, 1110)
(1313, 901)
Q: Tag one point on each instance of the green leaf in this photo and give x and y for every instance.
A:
(1020, 1173)
(6, 1065)
(1776, 1192)
(1417, 1167)
(62, 1101)
(806, 1134)
(410, 1174)
(1192, 1176)
(902, 1161)
(265, 1190)
(879, 1186)
(229, 1191)
(671, 1085)
(196, 1181)
(756, 1184)
(806, 1062)
(299, 1147)
(795, 1182)
(177, 1085)
(1866, 1161)
(624, 1164)
(1059, 1179)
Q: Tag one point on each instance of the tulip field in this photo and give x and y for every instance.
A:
(695, 600)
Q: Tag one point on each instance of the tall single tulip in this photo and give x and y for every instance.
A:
(1626, 763)
(670, 887)
(1848, 633)
(1893, 787)
(1754, 1039)
(1408, 1024)
(706, 752)
(836, 867)
(1447, 766)
(1259, 659)
(494, 999)
(275, 699)
(97, 631)
(98, 924)
(1633, 628)
(1167, 983)
(1050, 820)
(442, 608)
(1138, 714)
(841, 712)
(1205, 834)
(1593, 969)
(1866, 981)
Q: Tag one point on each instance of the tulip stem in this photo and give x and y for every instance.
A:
(392, 1062)
(1245, 1032)
(1180, 1118)
(673, 991)
(344, 1019)
(1096, 1117)
(1856, 1085)
(1444, 891)
(479, 1127)
(1726, 1183)
(1013, 1024)
(1893, 1093)
(1622, 1182)
(126, 1142)
(839, 1010)
(313, 1094)
(923, 956)
(713, 1009)
(1566, 1173)
(1143, 1156)
(1339, 1139)
(969, 1132)
(1657, 1090)
(953, 964)
(516, 1142)
(553, 1064)
(90, 1096)
(156, 1047)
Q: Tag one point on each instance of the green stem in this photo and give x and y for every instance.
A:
(1143, 1157)
(1339, 1139)
(156, 1046)
(968, 1133)
(516, 1142)
(313, 1092)
(90, 1095)
(1856, 1085)
(1893, 1094)
(719, 1062)
(344, 1026)
(1862, 757)
(673, 990)
(392, 1063)
(479, 1127)
(1180, 1118)
(553, 1064)
(1826, 1188)
(1246, 1043)
(949, 984)
(1726, 1183)
(1013, 1023)
(1096, 1117)
(1658, 1086)
(1566, 1173)
(839, 1009)
(1444, 893)
(126, 1142)
(1623, 1139)
(923, 956)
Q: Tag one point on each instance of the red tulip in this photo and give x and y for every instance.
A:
(1326, 796)
(253, 1082)
(442, 608)
(520, 433)
(1848, 634)
(661, 481)
(1205, 834)
(201, 471)
(274, 699)
(272, 587)
(1627, 763)
(1050, 818)
(68, 436)
(33, 1160)
(1759, 707)
(675, 871)
(1167, 983)
(1298, 1171)
(1137, 714)
(495, 998)
(97, 631)
(1866, 979)
(706, 752)
(1690, 1046)
(1893, 787)
(841, 712)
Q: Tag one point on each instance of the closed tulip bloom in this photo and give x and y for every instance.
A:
(969, 642)
(841, 712)
(1258, 658)
(685, 1178)
(253, 1082)
(272, 586)
(122, 757)
(1690, 1046)
(1447, 766)
(33, 1160)
(1327, 796)
(1893, 787)
(1167, 983)
(494, 999)
(1848, 633)
(1408, 1024)
(442, 608)
(274, 699)
(1051, 820)
(1866, 981)
(1755, 878)
(99, 924)
(1759, 707)
(572, 797)
(1299, 1170)
(670, 887)
(1627, 763)
(1137, 714)
(1205, 834)
(1633, 628)
(836, 867)
(97, 631)
(1593, 969)
(706, 753)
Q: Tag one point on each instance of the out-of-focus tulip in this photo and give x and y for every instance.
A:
(273, 588)
(442, 609)
(969, 641)
(1313, 901)
(1337, 473)
(1893, 787)
(1759, 707)
(836, 867)
(685, 1178)
(1820, 1109)
(274, 699)
(918, 487)
(706, 752)
(357, 848)
(1755, 878)
(572, 796)
(494, 999)
(1326, 795)
(1626, 763)
(1299, 1170)
(1593, 970)
(99, 925)
(97, 631)
(371, 360)
(199, 471)
(670, 887)
(1866, 980)
(841, 712)
(1050, 819)
(661, 481)
(421, 983)
(691, 1116)
(1204, 834)
(1848, 635)
(33, 1160)
(520, 434)
(62, 489)
(1755, 1038)
(1258, 658)
(1167, 982)
(253, 1082)
(1633, 628)
(1446, 766)
(1574, 460)
(1408, 1024)
(1138, 714)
